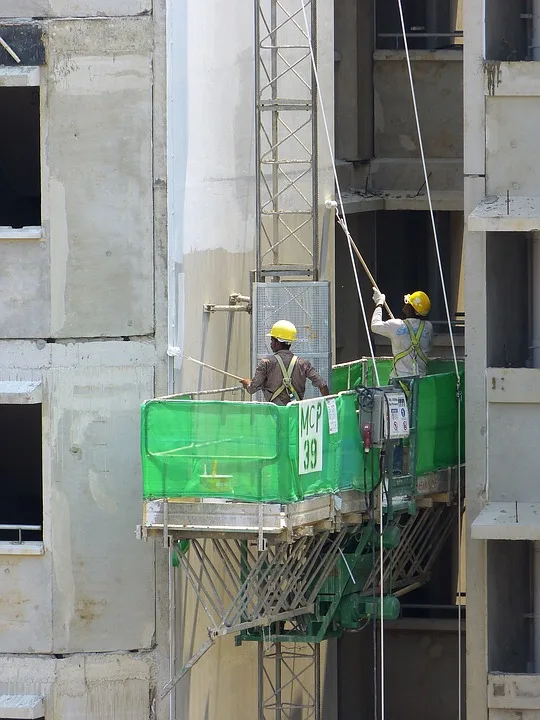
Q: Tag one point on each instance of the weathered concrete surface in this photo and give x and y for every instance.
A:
(103, 598)
(26, 604)
(511, 124)
(24, 279)
(99, 221)
(73, 8)
(87, 585)
(439, 92)
(84, 687)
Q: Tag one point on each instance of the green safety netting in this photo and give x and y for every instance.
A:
(248, 451)
(263, 452)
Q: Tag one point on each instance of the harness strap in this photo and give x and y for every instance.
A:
(287, 382)
(414, 348)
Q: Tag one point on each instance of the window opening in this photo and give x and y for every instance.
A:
(21, 510)
(20, 173)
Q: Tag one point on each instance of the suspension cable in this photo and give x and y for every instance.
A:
(340, 211)
(459, 396)
(342, 221)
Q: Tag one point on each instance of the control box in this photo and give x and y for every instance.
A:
(384, 416)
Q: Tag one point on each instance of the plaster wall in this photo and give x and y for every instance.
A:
(211, 213)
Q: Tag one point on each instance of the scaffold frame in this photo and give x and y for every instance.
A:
(286, 139)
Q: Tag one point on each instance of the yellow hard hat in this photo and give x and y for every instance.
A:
(284, 331)
(419, 301)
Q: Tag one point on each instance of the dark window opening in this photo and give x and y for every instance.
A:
(20, 174)
(509, 341)
(429, 25)
(510, 606)
(407, 261)
(22, 492)
(508, 30)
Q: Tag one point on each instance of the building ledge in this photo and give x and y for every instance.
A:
(512, 79)
(514, 692)
(454, 54)
(507, 521)
(21, 706)
(357, 202)
(496, 213)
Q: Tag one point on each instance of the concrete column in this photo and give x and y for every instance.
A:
(536, 363)
(536, 30)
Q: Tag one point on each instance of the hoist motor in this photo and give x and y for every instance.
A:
(384, 415)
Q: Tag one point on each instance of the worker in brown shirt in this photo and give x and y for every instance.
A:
(282, 376)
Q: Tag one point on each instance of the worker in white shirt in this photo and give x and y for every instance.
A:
(411, 338)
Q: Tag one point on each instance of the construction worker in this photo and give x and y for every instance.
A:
(411, 337)
(282, 376)
(411, 340)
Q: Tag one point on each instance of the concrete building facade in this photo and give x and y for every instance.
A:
(502, 186)
(131, 207)
(81, 240)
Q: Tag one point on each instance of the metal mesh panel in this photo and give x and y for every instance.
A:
(307, 305)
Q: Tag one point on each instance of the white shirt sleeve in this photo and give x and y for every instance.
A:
(388, 328)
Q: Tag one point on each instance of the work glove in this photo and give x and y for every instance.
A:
(378, 297)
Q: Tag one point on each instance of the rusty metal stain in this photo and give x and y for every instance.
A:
(492, 69)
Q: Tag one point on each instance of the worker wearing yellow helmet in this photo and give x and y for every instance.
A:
(282, 376)
(411, 338)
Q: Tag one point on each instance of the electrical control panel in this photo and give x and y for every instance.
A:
(384, 416)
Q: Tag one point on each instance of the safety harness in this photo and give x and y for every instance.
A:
(287, 382)
(414, 348)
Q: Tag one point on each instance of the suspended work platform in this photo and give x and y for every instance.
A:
(212, 467)
(286, 523)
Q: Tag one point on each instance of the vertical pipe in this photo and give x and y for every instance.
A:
(260, 679)
(317, 661)
(314, 143)
(278, 680)
(258, 166)
(172, 631)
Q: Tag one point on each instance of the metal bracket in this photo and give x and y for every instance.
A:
(237, 303)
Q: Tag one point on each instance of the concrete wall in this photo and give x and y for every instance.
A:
(421, 680)
(439, 88)
(510, 134)
(439, 92)
(78, 617)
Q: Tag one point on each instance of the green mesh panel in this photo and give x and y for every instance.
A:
(250, 451)
(437, 427)
(244, 451)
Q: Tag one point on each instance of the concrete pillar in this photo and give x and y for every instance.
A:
(536, 30)
(536, 363)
